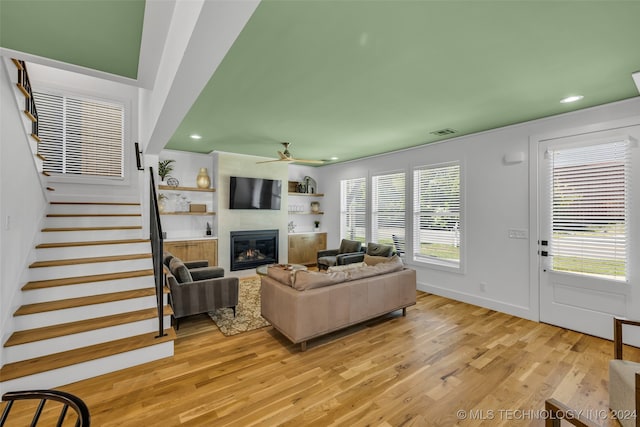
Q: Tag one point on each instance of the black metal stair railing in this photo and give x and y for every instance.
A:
(157, 250)
(29, 103)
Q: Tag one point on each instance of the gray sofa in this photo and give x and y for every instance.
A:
(306, 304)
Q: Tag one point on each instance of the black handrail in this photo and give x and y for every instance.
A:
(157, 250)
(29, 102)
(67, 400)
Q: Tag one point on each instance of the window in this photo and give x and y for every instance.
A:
(436, 214)
(589, 209)
(388, 207)
(80, 136)
(353, 210)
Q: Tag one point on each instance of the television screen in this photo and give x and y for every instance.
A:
(254, 193)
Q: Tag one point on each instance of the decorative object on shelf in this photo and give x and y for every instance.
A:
(173, 182)
(165, 167)
(208, 232)
(197, 207)
(315, 206)
(317, 224)
(203, 180)
(311, 185)
(292, 227)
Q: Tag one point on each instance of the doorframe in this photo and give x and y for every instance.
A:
(534, 200)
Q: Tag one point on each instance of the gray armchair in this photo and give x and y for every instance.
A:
(198, 269)
(373, 249)
(330, 257)
(189, 296)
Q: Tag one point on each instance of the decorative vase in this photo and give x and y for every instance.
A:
(202, 179)
(315, 206)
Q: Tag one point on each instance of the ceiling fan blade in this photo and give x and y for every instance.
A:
(274, 160)
(283, 156)
(314, 162)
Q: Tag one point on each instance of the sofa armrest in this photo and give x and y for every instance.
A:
(327, 252)
(204, 273)
(350, 258)
(196, 264)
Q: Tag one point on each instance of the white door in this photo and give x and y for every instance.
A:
(584, 214)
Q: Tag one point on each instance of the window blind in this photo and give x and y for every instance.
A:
(388, 207)
(353, 209)
(81, 136)
(437, 214)
(590, 188)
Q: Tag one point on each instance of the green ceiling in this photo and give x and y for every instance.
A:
(357, 78)
(99, 34)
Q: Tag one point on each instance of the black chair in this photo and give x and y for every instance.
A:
(330, 257)
(398, 242)
(68, 400)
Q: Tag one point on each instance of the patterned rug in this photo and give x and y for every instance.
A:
(248, 315)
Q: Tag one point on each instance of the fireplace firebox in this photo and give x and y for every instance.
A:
(253, 248)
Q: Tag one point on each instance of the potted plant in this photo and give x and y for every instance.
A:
(317, 223)
(164, 169)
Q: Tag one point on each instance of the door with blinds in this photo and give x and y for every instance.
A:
(585, 215)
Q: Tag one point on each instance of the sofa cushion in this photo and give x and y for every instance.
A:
(390, 265)
(180, 271)
(376, 249)
(348, 246)
(280, 274)
(346, 267)
(313, 279)
(373, 260)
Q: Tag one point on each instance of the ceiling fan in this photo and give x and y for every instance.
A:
(285, 156)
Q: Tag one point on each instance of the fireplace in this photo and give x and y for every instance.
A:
(250, 249)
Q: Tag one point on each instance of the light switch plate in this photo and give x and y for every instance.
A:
(518, 234)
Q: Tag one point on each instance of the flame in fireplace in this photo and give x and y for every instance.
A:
(250, 254)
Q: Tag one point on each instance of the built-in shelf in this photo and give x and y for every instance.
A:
(307, 194)
(168, 187)
(188, 213)
(306, 213)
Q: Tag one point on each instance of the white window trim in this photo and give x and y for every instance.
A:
(435, 263)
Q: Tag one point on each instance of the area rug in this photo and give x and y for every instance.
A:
(248, 315)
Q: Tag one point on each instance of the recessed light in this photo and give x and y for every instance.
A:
(572, 98)
(195, 136)
(333, 158)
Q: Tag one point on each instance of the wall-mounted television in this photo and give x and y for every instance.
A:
(254, 193)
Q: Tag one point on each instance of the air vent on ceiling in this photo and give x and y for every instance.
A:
(443, 132)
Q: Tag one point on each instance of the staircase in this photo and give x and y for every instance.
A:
(89, 306)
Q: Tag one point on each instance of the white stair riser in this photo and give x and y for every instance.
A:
(58, 272)
(94, 209)
(90, 235)
(90, 369)
(47, 318)
(69, 342)
(91, 221)
(70, 252)
(86, 289)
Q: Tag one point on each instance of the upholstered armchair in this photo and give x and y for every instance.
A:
(189, 296)
(199, 269)
(330, 257)
(624, 379)
(373, 249)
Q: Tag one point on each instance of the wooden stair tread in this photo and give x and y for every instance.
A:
(121, 227)
(42, 307)
(97, 203)
(41, 157)
(74, 261)
(24, 368)
(23, 90)
(50, 283)
(30, 116)
(91, 215)
(55, 331)
(17, 63)
(90, 243)
(36, 137)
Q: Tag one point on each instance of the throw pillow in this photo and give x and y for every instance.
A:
(180, 271)
(373, 260)
(376, 249)
(306, 280)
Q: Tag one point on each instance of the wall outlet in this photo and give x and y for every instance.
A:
(483, 287)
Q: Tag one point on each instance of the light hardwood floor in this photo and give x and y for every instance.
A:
(420, 370)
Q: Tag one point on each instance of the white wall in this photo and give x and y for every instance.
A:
(496, 199)
(228, 165)
(22, 205)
